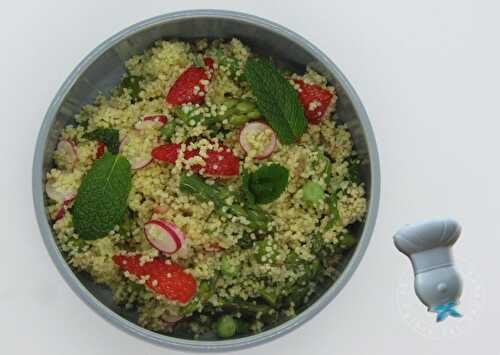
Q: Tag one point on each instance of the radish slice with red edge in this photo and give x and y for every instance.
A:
(58, 195)
(164, 236)
(62, 211)
(152, 121)
(67, 148)
(138, 161)
(252, 129)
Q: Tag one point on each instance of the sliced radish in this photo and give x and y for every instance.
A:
(152, 121)
(62, 211)
(251, 130)
(164, 235)
(67, 149)
(215, 247)
(137, 160)
(58, 195)
(140, 162)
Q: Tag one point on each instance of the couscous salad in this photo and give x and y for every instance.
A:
(211, 191)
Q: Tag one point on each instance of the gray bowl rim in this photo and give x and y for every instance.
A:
(186, 344)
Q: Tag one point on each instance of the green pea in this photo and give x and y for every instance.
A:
(226, 326)
(237, 119)
(230, 103)
(228, 267)
(312, 192)
(253, 115)
(245, 106)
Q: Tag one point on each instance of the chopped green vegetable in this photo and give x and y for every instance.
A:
(277, 100)
(131, 83)
(240, 111)
(187, 115)
(256, 217)
(270, 296)
(348, 240)
(334, 212)
(267, 183)
(109, 136)
(168, 130)
(226, 326)
(312, 192)
(102, 197)
(237, 120)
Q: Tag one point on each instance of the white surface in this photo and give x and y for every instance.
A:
(427, 72)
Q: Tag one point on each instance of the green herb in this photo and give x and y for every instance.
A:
(109, 136)
(277, 100)
(334, 212)
(266, 184)
(198, 61)
(354, 170)
(131, 83)
(193, 184)
(102, 197)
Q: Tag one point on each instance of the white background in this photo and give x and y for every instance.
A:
(428, 74)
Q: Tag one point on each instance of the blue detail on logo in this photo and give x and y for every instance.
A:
(445, 310)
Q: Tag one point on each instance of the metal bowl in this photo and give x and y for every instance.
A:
(101, 70)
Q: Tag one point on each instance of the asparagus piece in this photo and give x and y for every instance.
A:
(195, 185)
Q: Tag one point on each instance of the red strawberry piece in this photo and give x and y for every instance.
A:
(167, 153)
(101, 148)
(316, 100)
(221, 162)
(209, 63)
(165, 278)
(183, 91)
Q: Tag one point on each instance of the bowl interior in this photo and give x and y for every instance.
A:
(104, 73)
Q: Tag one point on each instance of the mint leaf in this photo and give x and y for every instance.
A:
(102, 197)
(277, 100)
(109, 136)
(247, 194)
(267, 183)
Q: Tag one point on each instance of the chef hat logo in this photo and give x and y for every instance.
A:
(414, 314)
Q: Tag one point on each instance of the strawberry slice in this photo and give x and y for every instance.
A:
(209, 63)
(169, 280)
(317, 101)
(220, 162)
(188, 88)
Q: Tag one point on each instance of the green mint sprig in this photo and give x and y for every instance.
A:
(277, 100)
(109, 136)
(265, 184)
(102, 197)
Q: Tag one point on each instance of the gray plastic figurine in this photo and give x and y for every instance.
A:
(428, 245)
